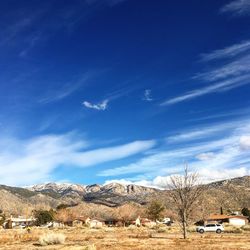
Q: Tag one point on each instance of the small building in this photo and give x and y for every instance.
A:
(148, 223)
(57, 224)
(235, 220)
(20, 221)
(94, 223)
(113, 223)
(145, 222)
(78, 222)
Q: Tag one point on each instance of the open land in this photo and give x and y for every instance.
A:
(123, 238)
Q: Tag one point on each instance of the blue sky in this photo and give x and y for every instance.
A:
(123, 90)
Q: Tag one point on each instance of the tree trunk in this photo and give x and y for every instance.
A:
(184, 225)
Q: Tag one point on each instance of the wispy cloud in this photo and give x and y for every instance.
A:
(235, 68)
(245, 142)
(227, 52)
(162, 182)
(221, 156)
(17, 28)
(217, 87)
(99, 106)
(205, 156)
(206, 131)
(237, 7)
(225, 77)
(26, 27)
(66, 89)
(233, 113)
(195, 134)
(111, 96)
(147, 95)
(24, 162)
(33, 40)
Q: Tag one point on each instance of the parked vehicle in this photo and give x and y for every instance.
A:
(218, 228)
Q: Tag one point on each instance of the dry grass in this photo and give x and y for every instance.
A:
(246, 228)
(124, 238)
(51, 239)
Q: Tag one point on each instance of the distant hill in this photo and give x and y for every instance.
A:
(237, 182)
(113, 194)
(227, 193)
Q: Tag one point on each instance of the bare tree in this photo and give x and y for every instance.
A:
(185, 190)
(65, 215)
(127, 212)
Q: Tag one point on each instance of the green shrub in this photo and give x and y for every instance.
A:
(43, 217)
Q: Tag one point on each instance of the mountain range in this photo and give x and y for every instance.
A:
(50, 195)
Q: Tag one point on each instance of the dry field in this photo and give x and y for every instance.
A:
(123, 238)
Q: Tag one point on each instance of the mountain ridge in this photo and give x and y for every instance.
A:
(50, 195)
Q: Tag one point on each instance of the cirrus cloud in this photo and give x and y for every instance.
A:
(237, 7)
(24, 162)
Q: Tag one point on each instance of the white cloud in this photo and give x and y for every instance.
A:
(217, 87)
(237, 7)
(210, 175)
(205, 156)
(112, 153)
(24, 162)
(237, 67)
(204, 132)
(120, 181)
(99, 106)
(220, 154)
(147, 95)
(227, 52)
(160, 182)
(229, 74)
(245, 142)
(205, 176)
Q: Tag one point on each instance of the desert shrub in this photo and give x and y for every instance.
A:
(192, 229)
(161, 230)
(51, 239)
(233, 229)
(89, 247)
(246, 228)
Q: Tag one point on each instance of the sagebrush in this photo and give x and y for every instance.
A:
(51, 239)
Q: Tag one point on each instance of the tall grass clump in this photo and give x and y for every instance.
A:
(246, 227)
(89, 247)
(51, 239)
(233, 229)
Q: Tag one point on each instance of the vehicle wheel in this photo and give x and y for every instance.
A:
(218, 231)
(201, 231)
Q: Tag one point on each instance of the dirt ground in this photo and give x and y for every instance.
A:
(123, 238)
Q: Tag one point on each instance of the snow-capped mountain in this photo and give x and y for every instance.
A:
(111, 194)
(57, 187)
(67, 188)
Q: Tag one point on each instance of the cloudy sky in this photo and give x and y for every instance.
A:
(94, 91)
